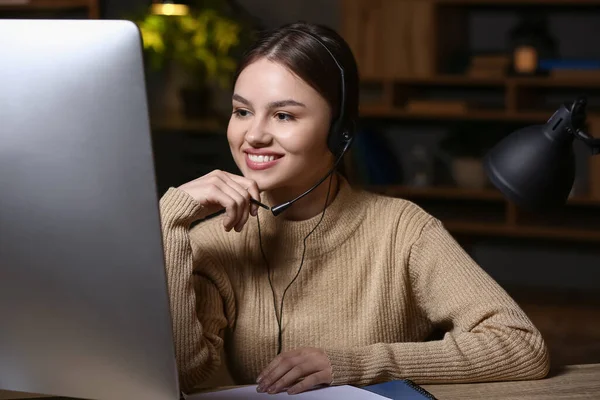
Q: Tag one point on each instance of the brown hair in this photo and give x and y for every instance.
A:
(306, 58)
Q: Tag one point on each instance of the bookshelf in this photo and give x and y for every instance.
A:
(406, 51)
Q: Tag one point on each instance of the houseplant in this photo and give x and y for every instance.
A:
(194, 53)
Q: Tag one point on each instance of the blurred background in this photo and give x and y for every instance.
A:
(443, 81)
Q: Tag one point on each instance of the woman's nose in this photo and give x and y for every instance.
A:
(257, 135)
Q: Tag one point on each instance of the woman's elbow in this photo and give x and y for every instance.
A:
(534, 358)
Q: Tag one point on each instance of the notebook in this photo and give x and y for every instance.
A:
(402, 389)
(345, 392)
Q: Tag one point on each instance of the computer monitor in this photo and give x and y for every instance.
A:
(84, 307)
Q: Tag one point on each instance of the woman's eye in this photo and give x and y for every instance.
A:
(284, 117)
(241, 113)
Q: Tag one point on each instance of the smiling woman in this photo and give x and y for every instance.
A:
(367, 279)
(291, 130)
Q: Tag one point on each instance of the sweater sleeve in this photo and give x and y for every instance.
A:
(487, 336)
(201, 297)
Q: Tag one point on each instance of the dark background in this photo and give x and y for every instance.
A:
(515, 262)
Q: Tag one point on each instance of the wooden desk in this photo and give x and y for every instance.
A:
(571, 382)
(564, 383)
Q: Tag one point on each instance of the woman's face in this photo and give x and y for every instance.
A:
(278, 128)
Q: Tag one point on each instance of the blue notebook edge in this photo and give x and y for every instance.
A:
(401, 389)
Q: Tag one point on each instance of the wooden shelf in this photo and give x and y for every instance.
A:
(398, 81)
(438, 192)
(518, 2)
(466, 80)
(505, 228)
(521, 231)
(511, 85)
(550, 82)
(382, 111)
(457, 193)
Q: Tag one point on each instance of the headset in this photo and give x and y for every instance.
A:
(341, 131)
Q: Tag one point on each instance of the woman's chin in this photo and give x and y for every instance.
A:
(264, 183)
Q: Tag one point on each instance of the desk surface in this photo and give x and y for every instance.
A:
(571, 382)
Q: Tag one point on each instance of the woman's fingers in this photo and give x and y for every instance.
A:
(220, 189)
(298, 372)
(311, 381)
(243, 213)
(250, 186)
(280, 366)
(217, 196)
(236, 205)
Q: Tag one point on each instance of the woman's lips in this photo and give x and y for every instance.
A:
(263, 161)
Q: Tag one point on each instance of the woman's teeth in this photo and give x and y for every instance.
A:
(259, 159)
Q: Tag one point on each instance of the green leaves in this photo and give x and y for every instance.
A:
(202, 42)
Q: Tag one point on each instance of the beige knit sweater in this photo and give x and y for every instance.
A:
(380, 277)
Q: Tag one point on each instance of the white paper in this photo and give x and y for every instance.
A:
(250, 393)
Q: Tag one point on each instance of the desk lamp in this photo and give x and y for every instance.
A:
(534, 167)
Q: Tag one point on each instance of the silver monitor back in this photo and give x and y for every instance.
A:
(84, 308)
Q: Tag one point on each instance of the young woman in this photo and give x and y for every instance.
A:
(366, 280)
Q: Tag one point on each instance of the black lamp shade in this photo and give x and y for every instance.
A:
(534, 167)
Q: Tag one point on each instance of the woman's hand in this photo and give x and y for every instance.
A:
(218, 189)
(296, 371)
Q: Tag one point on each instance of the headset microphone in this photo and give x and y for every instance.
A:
(282, 207)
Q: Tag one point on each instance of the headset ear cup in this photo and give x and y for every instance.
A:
(337, 141)
(338, 137)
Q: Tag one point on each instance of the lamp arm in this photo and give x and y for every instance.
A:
(577, 109)
(592, 143)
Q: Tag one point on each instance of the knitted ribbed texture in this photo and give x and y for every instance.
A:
(380, 277)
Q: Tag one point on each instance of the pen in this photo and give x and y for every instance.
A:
(258, 203)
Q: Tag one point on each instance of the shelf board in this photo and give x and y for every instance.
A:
(43, 4)
(382, 111)
(456, 193)
(583, 201)
(451, 80)
(520, 231)
(438, 192)
(466, 80)
(519, 2)
(551, 82)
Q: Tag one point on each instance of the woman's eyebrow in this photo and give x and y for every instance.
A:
(239, 98)
(284, 103)
(273, 104)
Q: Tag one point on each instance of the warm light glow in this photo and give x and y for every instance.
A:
(526, 59)
(170, 9)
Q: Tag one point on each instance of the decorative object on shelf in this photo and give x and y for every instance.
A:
(530, 42)
(573, 69)
(488, 66)
(468, 173)
(433, 106)
(463, 148)
(421, 167)
(195, 49)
